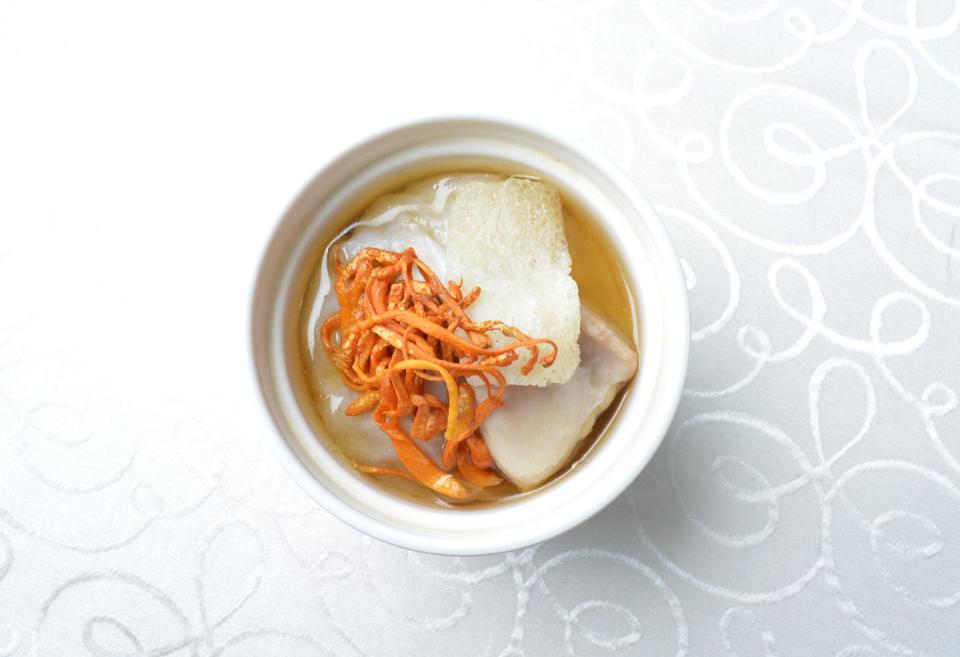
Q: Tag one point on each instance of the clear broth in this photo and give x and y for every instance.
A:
(599, 276)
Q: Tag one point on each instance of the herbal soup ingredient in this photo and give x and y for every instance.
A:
(537, 431)
(398, 330)
(508, 237)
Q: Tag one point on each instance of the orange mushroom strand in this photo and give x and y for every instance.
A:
(394, 333)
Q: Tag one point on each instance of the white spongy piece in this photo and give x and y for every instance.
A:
(507, 238)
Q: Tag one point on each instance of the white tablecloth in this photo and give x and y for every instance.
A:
(806, 159)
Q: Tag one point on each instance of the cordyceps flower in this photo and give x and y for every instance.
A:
(399, 327)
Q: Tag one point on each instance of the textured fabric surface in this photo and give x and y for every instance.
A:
(806, 159)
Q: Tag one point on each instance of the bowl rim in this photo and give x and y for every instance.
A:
(679, 330)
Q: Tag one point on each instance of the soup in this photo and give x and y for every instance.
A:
(535, 361)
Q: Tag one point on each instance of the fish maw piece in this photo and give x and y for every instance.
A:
(393, 223)
(537, 430)
(357, 436)
(507, 238)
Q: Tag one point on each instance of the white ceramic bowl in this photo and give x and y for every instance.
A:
(653, 274)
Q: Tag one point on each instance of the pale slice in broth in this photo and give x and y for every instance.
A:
(537, 430)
